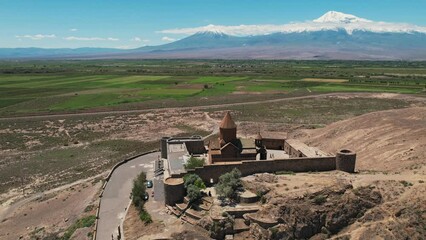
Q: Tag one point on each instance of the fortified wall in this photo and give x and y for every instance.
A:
(344, 161)
(213, 171)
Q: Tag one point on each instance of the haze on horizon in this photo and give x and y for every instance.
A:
(128, 24)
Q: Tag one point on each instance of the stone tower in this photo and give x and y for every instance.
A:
(227, 130)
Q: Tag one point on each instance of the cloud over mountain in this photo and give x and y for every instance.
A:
(37, 36)
(72, 38)
(332, 20)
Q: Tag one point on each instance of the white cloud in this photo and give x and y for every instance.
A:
(73, 30)
(136, 39)
(329, 21)
(124, 47)
(72, 38)
(37, 36)
(168, 39)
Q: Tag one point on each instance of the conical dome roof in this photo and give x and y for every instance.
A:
(258, 136)
(227, 122)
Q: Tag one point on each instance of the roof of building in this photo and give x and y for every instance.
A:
(240, 142)
(227, 122)
(229, 144)
(247, 143)
(306, 150)
(273, 135)
(214, 144)
(195, 147)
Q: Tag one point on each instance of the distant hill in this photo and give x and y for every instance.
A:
(332, 36)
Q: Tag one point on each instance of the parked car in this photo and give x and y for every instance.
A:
(145, 196)
(149, 184)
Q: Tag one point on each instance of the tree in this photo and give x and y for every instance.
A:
(138, 190)
(229, 184)
(193, 179)
(194, 162)
(193, 193)
(193, 184)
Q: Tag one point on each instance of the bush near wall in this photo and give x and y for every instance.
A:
(229, 184)
(138, 192)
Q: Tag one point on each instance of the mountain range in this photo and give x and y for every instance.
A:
(334, 35)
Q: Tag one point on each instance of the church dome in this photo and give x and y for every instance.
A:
(258, 136)
(227, 122)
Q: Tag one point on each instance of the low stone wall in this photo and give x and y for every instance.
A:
(213, 171)
(239, 212)
(262, 222)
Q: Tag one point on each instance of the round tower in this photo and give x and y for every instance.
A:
(174, 191)
(345, 161)
(227, 130)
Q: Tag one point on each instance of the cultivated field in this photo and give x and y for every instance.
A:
(54, 87)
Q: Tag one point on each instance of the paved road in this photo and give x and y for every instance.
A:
(115, 198)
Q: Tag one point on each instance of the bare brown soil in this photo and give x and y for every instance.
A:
(134, 228)
(384, 141)
(51, 214)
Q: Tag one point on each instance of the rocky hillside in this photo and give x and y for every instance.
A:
(391, 140)
(338, 205)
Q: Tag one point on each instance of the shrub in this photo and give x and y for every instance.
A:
(405, 183)
(193, 193)
(193, 179)
(138, 191)
(193, 184)
(145, 217)
(194, 162)
(320, 199)
(89, 208)
(81, 223)
(285, 173)
(229, 184)
(274, 232)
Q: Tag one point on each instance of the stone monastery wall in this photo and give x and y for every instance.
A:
(213, 171)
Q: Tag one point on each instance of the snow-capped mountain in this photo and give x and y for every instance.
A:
(331, 20)
(334, 35)
(338, 17)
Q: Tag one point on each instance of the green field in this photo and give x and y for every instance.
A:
(69, 86)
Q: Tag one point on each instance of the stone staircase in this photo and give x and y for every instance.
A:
(205, 204)
(158, 167)
(192, 216)
(240, 225)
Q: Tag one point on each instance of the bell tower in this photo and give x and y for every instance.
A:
(227, 130)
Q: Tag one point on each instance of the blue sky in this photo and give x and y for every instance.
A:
(130, 24)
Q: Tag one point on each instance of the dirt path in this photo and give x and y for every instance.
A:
(9, 207)
(345, 95)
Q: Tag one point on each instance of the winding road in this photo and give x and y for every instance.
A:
(116, 196)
